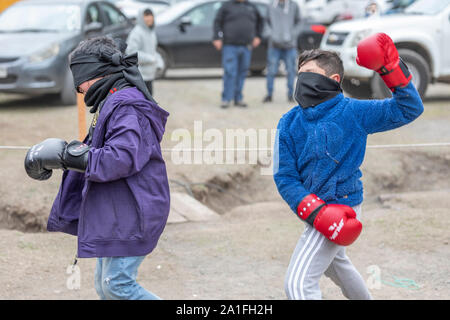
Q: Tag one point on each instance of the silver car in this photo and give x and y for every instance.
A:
(36, 37)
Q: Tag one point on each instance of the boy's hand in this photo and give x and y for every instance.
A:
(54, 153)
(379, 53)
(43, 157)
(336, 222)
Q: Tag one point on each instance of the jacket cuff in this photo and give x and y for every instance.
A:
(310, 204)
(218, 35)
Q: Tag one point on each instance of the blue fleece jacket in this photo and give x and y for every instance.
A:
(319, 150)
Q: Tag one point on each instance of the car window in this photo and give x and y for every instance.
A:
(204, 15)
(92, 14)
(41, 18)
(428, 7)
(111, 15)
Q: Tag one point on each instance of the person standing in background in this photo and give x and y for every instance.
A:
(373, 9)
(237, 30)
(283, 21)
(142, 39)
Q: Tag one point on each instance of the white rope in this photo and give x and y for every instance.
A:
(411, 145)
(376, 146)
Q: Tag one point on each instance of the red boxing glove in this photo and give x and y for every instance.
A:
(379, 53)
(337, 222)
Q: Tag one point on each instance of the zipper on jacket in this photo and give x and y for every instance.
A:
(326, 149)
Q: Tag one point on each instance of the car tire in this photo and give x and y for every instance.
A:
(68, 96)
(161, 73)
(378, 88)
(418, 68)
(356, 89)
(257, 72)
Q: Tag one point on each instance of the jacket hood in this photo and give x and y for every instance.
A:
(154, 113)
(140, 21)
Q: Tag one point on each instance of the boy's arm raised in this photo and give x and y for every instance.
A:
(379, 53)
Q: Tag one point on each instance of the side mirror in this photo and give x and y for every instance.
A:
(184, 22)
(93, 27)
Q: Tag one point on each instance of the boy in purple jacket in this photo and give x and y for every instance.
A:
(114, 193)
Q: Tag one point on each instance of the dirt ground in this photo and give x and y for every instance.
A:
(245, 253)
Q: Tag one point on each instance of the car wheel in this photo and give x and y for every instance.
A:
(256, 72)
(379, 90)
(68, 96)
(356, 89)
(419, 70)
(161, 73)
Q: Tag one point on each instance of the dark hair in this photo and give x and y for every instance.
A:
(98, 46)
(148, 12)
(327, 60)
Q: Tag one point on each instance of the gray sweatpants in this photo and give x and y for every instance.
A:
(315, 255)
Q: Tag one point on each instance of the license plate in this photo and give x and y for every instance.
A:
(3, 72)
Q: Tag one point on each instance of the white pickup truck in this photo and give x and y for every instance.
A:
(421, 34)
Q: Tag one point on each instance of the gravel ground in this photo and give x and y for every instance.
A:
(244, 254)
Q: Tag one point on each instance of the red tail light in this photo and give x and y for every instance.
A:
(346, 16)
(319, 28)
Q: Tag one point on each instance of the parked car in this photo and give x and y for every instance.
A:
(185, 34)
(131, 7)
(36, 37)
(421, 35)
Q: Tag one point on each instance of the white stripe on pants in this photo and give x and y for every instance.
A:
(314, 256)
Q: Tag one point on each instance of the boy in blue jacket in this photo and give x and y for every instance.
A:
(319, 150)
(114, 195)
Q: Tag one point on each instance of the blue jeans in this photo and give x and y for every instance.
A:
(289, 57)
(115, 279)
(235, 62)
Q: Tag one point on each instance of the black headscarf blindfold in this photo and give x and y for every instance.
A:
(87, 67)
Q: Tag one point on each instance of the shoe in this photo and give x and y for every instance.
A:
(240, 104)
(225, 104)
(267, 99)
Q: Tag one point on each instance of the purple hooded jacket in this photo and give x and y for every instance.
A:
(120, 205)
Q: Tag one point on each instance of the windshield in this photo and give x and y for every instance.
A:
(157, 8)
(40, 18)
(427, 7)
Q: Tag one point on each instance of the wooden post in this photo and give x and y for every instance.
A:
(81, 117)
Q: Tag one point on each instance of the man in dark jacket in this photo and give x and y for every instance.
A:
(114, 193)
(237, 29)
